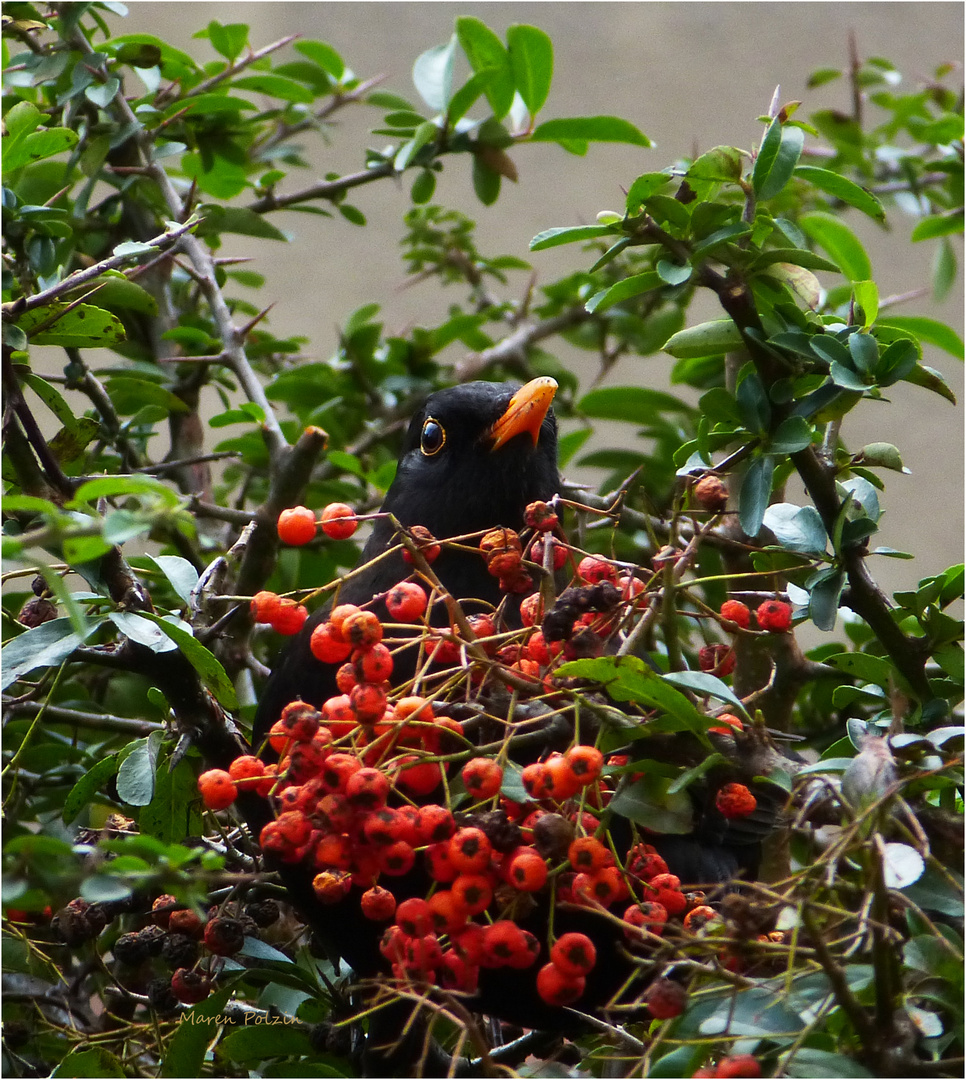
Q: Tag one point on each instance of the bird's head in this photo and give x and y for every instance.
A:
(475, 455)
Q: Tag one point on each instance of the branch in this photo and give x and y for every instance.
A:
(325, 189)
(515, 345)
(99, 721)
(238, 65)
(163, 241)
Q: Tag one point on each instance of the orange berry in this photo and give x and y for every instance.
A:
(264, 606)
(362, 630)
(367, 789)
(425, 542)
(447, 911)
(574, 954)
(735, 801)
(417, 777)
(217, 789)
(377, 904)
(588, 854)
(327, 644)
(290, 617)
(296, 526)
(338, 521)
(502, 942)
(536, 780)
(374, 664)
(331, 886)
(527, 871)
(734, 611)
(700, 917)
(414, 917)
(561, 780)
(473, 891)
(368, 702)
(245, 769)
(396, 859)
(470, 850)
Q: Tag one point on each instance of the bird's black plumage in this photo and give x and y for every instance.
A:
(466, 485)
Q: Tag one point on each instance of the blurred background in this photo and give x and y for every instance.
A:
(691, 76)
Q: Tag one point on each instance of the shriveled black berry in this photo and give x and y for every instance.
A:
(71, 926)
(130, 949)
(179, 950)
(583, 644)
(604, 596)
(224, 936)
(263, 912)
(552, 835)
(557, 625)
(502, 833)
(153, 938)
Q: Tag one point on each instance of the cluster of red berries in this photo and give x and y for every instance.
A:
(774, 616)
(284, 615)
(298, 525)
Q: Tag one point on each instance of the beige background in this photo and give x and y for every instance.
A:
(690, 75)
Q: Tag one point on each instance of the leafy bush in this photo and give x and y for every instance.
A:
(132, 663)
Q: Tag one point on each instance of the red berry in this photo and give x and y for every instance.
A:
(736, 612)
(217, 789)
(574, 954)
(373, 665)
(527, 871)
(531, 609)
(731, 724)
(540, 516)
(377, 904)
(649, 915)
(338, 521)
(245, 769)
(736, 1065)
(482, 777)
(406, 601)
(264, 606)
(367, 789)
(700, 917)
(414, 917)
(586, 763)
(735, 801)
(556, 988)
(447, 911)
(190, 987)
(665, 998)
(774, 615)
(296, 526)
(718, 659)
(434, 824)
(558, 553)
(418, 777)
(473, 891)
(588, 854)
(301, 720)
(290, 617)
(503, 942)
(396, 859)
(536, 780)
(594, 569)
(470, 850)
(368, 702)
(331, 886)
(224, 936)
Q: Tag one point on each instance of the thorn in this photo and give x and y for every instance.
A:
(245, 330)
(773, 107)
(189, 199)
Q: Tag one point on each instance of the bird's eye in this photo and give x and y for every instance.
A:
(433, 438)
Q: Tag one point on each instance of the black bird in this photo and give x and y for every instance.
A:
(474, 457)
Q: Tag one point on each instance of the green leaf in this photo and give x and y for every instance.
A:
(433, 75)
(704, 339)
(531, 62)
(426, 132)
(938, 225)
(179, 572)
(825, 590)
(590, 129)
(324, 55)
(794, 433)
(569, 443)
(228, 39)
(131, 394)
(863, 666)
(486, 54)
(797, 528)
(265, 1041)
(568, 234)
(110, 486)
(756, 1012)
(796, 256)
(84, 326)
(865, 296)
(212, 674)
(635, 404)
(930, 379)
(486, 182)
(83, 792)
(277, 86)
(142, 631)
(780, 150)
(135, 777)
(102, 94)
(719, 237)
(47, 645)
(720, 164)
(842, 245)
(624, 290)
(174, 811)
(705, 684)
(36, 146)
(673, 273)
(95, 1061)
(462, 101)
(755, 492)
(185, 1051)
(929, 330)
(843, 189)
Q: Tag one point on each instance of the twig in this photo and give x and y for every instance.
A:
(325, 189)
(515, 345)
(99, 721)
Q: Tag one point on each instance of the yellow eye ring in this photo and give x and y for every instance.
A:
(433, 438)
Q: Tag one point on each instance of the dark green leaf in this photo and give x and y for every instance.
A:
(796, 256)
(721, 236)
(277, 86)
(590, 129)
(236, 219)
(624, 290)
(47, 645)
(569, 443)
(646, 185)
(720, 164)
(808, 1063)
(840, 187)
(256, 1043)
(531, 62)
(705, 684)
(780, 150)
(37, 145)
(825, 591)
(185, 1051)
(896, 362)
(95, 1061)
(930, 379)
(793, 434)
(757, 1011)
(426, 132)
(83, 792)
(864, 350)
(649, 802)
(755, 492)
(486, 182)
(840, 242)
(752, 401)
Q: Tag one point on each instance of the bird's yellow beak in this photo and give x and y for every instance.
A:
(526, 411)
